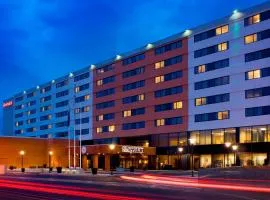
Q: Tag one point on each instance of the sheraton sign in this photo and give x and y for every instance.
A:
(132, 149)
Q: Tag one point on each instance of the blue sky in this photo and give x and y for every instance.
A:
(44, 39)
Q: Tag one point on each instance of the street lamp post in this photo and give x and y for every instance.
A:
(192, 142)
(227, 145)
(22, 153)
(111, 147)
(180, 150)
(235, 148)
(50, 155)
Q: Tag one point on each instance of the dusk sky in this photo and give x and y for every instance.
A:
(45, 39)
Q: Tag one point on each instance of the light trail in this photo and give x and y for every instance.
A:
(158, 180)
(63, 191)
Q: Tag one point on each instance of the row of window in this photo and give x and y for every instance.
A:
(168, 62)
(107, 116)
(212, 66)
(168, 47)
(106, 80)
(257, 111)
(211, 49)
(106, 92)
(212, 82)
(82, 98)
(81, 77)
(257, 18)
(168, 121)
(133, 112)
(169, 106)
(257, 92)
(134, 72)
(168, 77)
(258, 73)
(257, 36)
(211, 33)
(133, 59)
(257, 55)
(221, 115)
(219, 98)
(134, 85)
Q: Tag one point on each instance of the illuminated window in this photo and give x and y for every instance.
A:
(17, 124)
(250, 38)
(141, 97)
(222, 30)
(111, 128)
(201, 69)
(256, 19)
(127, 113)
(222, 46)
(86, 108)
(160, 122)
(254, 74)
(86, 97)
(159, 79)
(178, 105)
(200, 101)
(223, 115)
(77, 89)
(159, 65)
(100, 117)
(99, 82)
(99, 130)
(49, 126)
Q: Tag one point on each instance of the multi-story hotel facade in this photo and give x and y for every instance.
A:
(205, 90)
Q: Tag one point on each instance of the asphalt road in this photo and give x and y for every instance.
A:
(50, 187)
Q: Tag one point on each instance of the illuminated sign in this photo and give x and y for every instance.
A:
(132, 149)
(84, 149)
(7, 104)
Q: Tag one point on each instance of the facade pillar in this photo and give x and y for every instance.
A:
(84, 162)
(107, 162)
(95, 161)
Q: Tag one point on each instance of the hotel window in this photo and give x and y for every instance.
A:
(81, 77)
(230, 135)
(211, 66)
(177, 105)
(62, 93)
(99, 130)
(218, 136)
(132, 99)
(257, 92)
(219, 98)
(127, 113)
(168, 91)
(257, 111)
(222, 46)
(255, 134)
(133, 85)
(205, 137)
(211, 33)
(61, 104)
(201, 69)
(160, 122)
(19, 99)
(159, 65)
(62, 114)
(106, 92)
(212, 83)
(134, 125)
(107, 116)
(195, 136)
(254, 74)
(257, 55)
(111, 128)
(104, 69)
(252, 20)
(223, 115)
(46, 89)
(133, 59)
(200, 101)
(250, 38)
(168, 47)
(159, 79)
(99, 82)
(61, 84)
(134, 72)
(141, 97)
(29, 95)
(104, 105)
(81, 88)
(222, 30)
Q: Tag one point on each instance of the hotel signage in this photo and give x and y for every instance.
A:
(7, 104)
(132, 149)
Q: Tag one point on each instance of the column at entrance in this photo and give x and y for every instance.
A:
(107, 162)
(95, 161)
(84, 162)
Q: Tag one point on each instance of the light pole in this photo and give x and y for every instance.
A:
(22, 153)
(227, 145)
(111, 147)
(235, 148)
(50, 155)
(192, 142)
(180, 150)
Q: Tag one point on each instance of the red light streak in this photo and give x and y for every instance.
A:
(169, 181)
(54, 190)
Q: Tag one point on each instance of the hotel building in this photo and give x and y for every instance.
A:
(205, 89)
